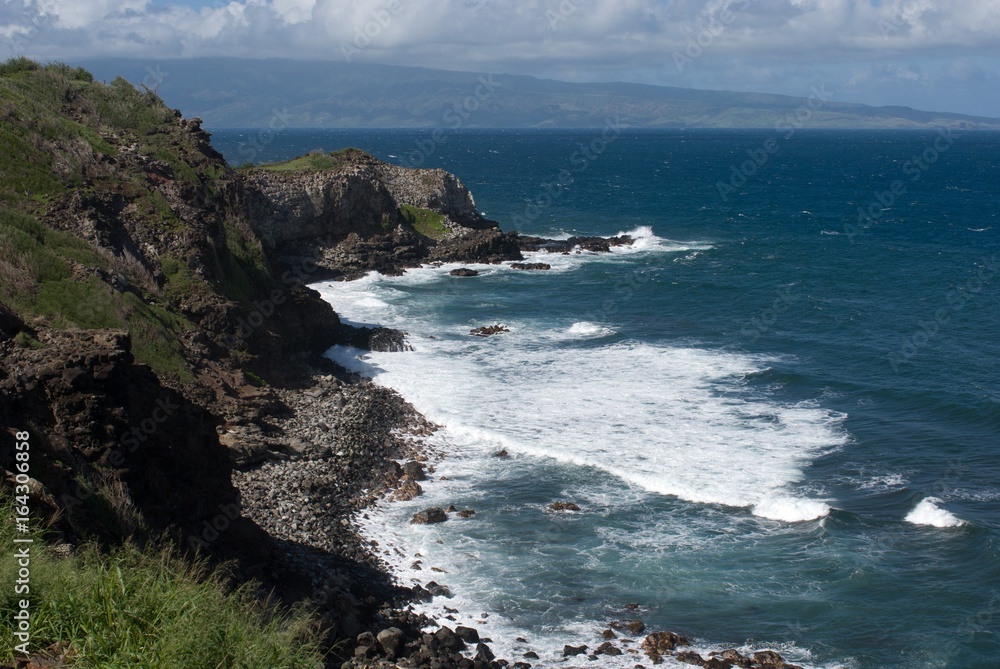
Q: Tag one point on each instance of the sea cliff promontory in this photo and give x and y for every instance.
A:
(165, 405)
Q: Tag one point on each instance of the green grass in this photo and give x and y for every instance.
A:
(135, 608)
(314, 162)
(426, 222)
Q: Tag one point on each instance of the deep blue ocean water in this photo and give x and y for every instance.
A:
(779, 415)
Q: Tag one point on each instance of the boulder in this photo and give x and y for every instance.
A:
(467, 634)
(570, 651)
(530, 266)
(448, 640)
(433, 514)
(483, 653)
(414, 470)
(464, 271)
(466, 513)
(391, 640)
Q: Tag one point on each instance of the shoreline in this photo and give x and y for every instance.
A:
(392, 454)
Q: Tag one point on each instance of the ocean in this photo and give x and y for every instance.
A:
(778, 411)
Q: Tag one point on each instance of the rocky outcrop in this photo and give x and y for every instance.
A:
(360, 195)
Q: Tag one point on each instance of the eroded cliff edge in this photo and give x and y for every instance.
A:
(352, 213)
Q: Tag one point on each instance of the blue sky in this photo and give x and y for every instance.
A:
(941, 55)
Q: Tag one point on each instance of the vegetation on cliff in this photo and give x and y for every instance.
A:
(149, 608)
(113, 214)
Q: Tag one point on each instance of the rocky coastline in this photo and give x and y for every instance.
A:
(190, 400)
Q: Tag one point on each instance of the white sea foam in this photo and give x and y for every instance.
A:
(927, 512)
(671, 420)
(586, 329)
(790, 509)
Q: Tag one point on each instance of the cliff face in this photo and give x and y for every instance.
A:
(353, 193)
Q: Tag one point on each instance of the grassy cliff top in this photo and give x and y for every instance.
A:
(110, 215)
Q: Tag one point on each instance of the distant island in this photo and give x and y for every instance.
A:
(241, 93)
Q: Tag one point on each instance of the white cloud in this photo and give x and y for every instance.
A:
(742, 42)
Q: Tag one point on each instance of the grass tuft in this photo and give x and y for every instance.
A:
(150, 609)
(426, 222)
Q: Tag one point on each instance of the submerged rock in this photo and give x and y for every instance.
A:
(464, 271)
(488, 330)
(530, 265)
(563, 506)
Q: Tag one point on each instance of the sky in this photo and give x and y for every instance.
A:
(936, 55)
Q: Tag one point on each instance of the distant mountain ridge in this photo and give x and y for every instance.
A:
(277, 93)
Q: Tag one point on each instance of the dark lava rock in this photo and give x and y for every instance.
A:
(466, 513)
(467, 634)
(464, 271)
(569, 651)
(530, 265)
(488, 330)
(414, 470)
(379, 339)
(659, 644)
(530, 655)
(438, 590)
(609, 634)
(448, 640)
(593, 244)
(634, 626)
(479, 246)
(433, 514)
(451, 509)
(502, 454)
(483, 653)
(563, 506)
